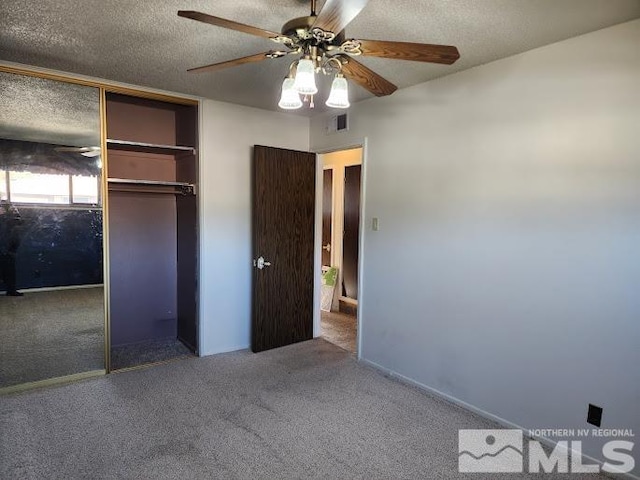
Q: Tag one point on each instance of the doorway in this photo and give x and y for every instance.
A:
(287, 290)
(341, 199)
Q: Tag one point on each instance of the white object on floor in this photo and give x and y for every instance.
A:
(329, 279)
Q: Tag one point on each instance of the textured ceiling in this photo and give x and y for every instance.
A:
(145, 43)
(45, 111)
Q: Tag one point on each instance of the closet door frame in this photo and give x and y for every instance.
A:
(104, 88)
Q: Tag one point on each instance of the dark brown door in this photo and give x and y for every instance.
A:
(327, 208)
(351, 231)
(283, 241)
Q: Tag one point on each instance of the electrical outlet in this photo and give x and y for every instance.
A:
(594, 415)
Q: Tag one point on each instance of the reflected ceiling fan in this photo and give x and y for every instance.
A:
(84, 151)
(320, 42)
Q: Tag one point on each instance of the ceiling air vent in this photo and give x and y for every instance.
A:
(337, 123)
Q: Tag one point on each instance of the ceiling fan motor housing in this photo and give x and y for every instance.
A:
(300, 29)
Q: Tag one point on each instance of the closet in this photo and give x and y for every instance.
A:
(152, 220)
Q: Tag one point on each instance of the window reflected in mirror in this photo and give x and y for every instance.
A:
(3, 185)
(43, 188)
(84, 189)
(28, 187)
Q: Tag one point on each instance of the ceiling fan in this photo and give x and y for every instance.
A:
(84, 151)
(320, 41)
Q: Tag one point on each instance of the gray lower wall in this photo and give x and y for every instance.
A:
(143, 256)
(506, 269)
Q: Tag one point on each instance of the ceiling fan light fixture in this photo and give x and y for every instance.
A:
(290, 99)
(305, 81)
(321, 40)
(339, 95)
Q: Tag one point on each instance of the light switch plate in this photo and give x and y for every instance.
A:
(374, 224)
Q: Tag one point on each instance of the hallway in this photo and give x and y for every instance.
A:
(340, 329)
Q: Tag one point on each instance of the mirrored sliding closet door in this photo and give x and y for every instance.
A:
(52, 321)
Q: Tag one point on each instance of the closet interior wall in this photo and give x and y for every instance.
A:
(152, 227)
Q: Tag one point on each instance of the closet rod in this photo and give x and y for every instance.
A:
(150, 182)
(126, 145)
(185, 188)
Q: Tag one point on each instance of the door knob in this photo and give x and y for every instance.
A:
(327, 247)
(261, 263)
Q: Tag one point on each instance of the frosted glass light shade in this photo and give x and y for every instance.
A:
(305, 78)
(290, 99)
(339, 96)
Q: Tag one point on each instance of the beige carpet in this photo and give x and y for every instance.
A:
(307, 411)
(152, 351)
(340, 329)
(51, 334)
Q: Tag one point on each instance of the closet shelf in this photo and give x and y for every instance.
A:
(148, 147)
(183, 188)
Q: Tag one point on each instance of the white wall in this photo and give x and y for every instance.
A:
(228, 133)
(506, 271)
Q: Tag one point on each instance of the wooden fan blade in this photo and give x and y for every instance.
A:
(365, 77)
(417, 52)
(336, 14)
(231, 63)
(221, 22)
(77, 149)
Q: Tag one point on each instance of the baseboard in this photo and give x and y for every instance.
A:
(217, 350)
(483, 413)
(51, 382)
(349, 300)
(55, 289)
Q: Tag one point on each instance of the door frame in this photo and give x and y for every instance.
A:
(362, 143)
